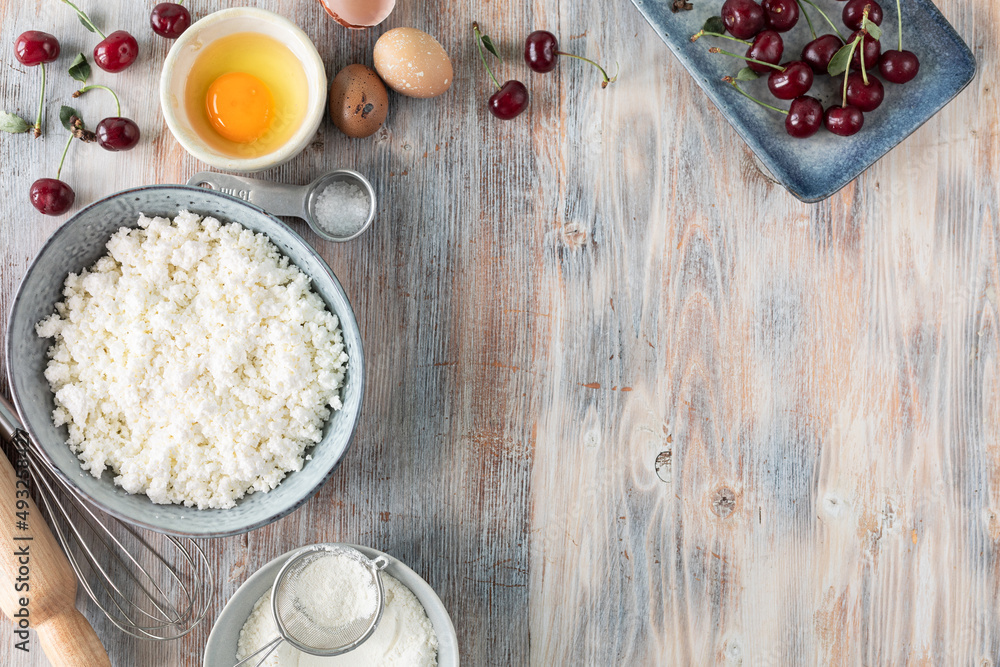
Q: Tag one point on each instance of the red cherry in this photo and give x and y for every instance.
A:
(804, 118)
(35, 48)
(742, 18)
(844, 121)
(819, 52)
(51, 196)
(540, 51)
(865, 97)
(899, 66)
(117, 134)
(170, 20)
(872, 47)
(793, 81)
(768, 47)
(854, 11)
(509, 101)
(781, 15)
(116, 51)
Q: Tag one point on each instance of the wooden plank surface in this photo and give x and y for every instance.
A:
(628, 401)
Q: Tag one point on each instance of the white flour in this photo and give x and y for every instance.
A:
(334, 592)
(403, 638)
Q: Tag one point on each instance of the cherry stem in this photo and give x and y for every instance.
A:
(41, 106)
(730, 80)
(482, 56)
(118, 104)
(86, 19)
(864, 19)
(808, 20)
(823, 14)
(899, 15)
(63, 158)
(847, 73)
(607, 79)
(716, 49)
(702, 33)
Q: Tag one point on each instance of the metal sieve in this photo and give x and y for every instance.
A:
(294, 623)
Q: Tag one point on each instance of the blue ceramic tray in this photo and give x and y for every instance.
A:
(804, 165)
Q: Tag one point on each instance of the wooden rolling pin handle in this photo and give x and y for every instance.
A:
(41, 575)
(69, 641)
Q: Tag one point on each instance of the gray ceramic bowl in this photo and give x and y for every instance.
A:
(220, 651)
(78, 244)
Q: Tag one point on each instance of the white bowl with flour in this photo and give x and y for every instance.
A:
(221, 649)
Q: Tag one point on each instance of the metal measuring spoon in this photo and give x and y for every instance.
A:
(291, 200)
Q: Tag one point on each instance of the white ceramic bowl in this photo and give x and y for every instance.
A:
(220, 651)
(226, 22)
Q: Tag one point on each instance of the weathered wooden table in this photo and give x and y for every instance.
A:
(628, 402)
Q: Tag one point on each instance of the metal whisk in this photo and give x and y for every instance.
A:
(150, 586)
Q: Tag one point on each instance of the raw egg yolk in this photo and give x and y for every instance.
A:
(240, 107)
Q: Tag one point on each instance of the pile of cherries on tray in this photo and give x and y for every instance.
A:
(760, 27)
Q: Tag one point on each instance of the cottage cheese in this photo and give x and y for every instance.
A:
(194, 361)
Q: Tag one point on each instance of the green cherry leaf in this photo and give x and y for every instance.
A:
(715, 25)
(842, 59)
(491, 47)
(13, 123)
(84, 19)
(872, 29)
(87, 23)
(80, 68)
(65, 113)
(747, 74)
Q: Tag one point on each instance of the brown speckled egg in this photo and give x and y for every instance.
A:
(359, 101)
(413, 63)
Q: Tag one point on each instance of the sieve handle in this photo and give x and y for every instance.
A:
(275, 198)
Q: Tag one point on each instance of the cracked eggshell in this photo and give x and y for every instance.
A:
(359, 14)
(413, 63)
(359, 101)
